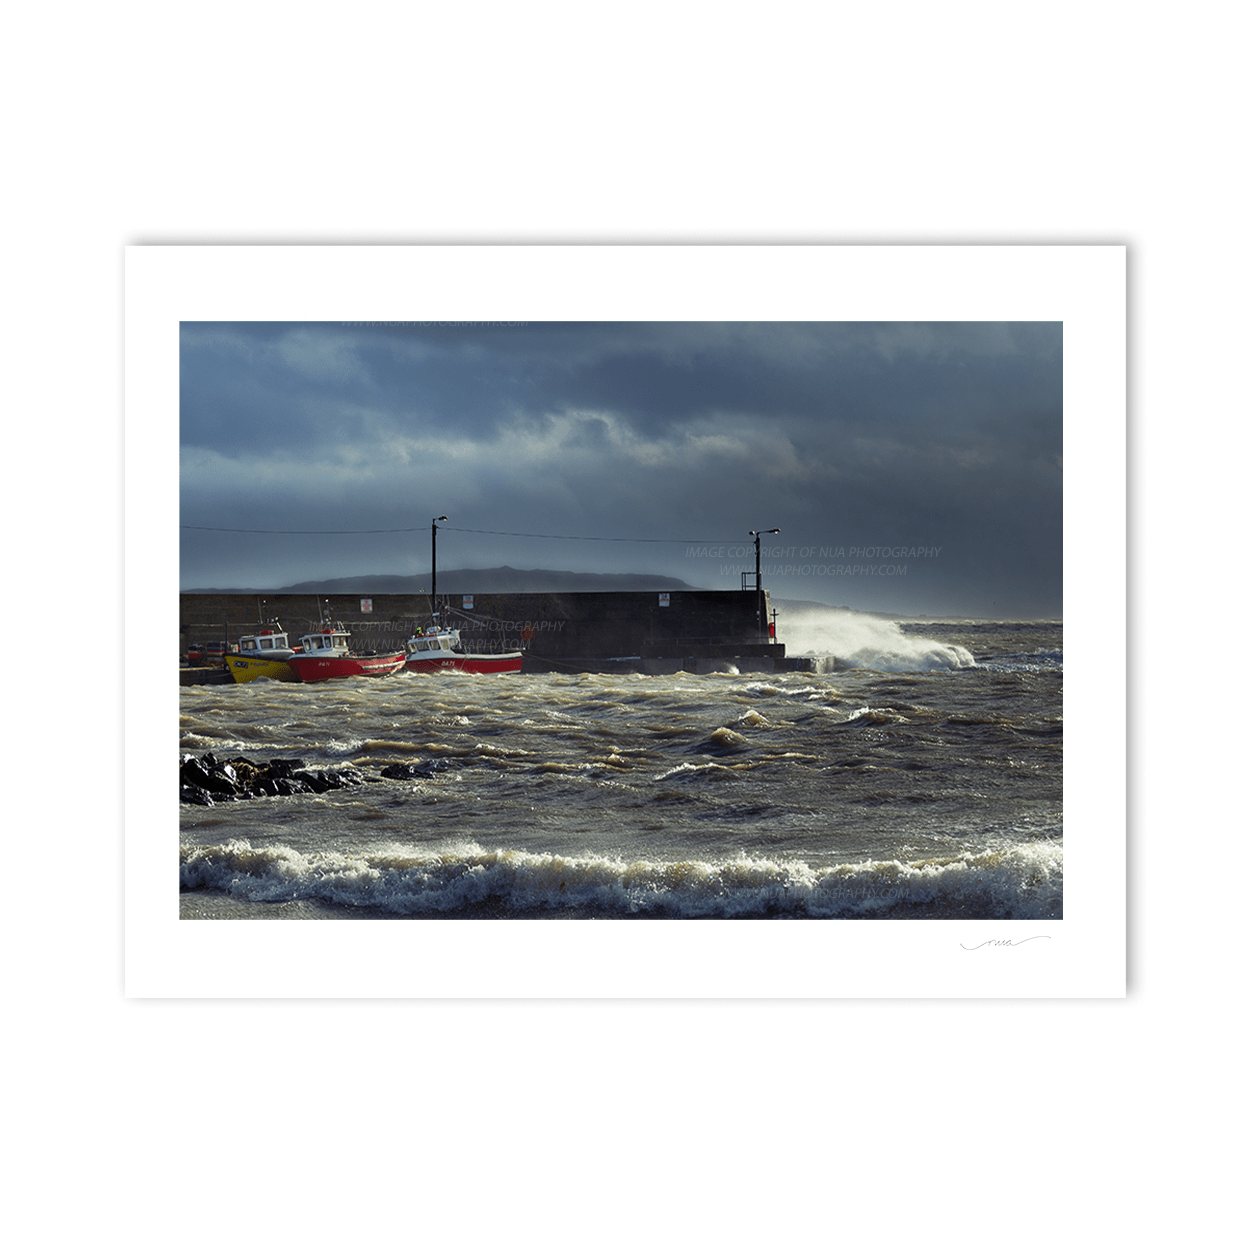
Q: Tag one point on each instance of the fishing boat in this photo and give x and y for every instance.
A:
(435, 649)
(324, 654)
(262, 654)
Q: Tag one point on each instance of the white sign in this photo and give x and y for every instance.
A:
(366, 605)
(468, 601)
(664, 599)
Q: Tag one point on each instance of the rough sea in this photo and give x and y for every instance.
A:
(921, 776)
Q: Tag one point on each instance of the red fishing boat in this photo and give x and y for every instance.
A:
(325, 654)
(435, 650)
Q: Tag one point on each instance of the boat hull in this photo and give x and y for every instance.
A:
(445, 661)
(247, 668)
(325, 668)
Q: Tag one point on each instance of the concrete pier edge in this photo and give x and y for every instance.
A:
(571, 631)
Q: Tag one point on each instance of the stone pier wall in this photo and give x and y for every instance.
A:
(601, 624)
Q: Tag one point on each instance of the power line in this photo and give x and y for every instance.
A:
(581, 538)
(418, 529)
(217, 529)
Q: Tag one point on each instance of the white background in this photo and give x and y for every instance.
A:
(1082, 287)
(587, 1122)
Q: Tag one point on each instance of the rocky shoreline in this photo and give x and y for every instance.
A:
(207, 780)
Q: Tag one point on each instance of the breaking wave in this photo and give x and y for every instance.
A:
(1015, 882)
(859, 641)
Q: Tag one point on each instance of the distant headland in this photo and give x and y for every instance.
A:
(462, 581)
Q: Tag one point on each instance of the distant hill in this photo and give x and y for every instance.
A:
(465, 581)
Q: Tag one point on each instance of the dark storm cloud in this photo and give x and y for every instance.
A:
(947, 435)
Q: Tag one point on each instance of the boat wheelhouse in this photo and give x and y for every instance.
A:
(262, 654)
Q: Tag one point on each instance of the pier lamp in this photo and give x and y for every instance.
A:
(759, 590)
(434, 562)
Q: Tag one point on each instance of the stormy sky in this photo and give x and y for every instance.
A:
(911, 468)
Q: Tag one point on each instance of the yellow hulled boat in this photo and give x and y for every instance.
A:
(263, 654)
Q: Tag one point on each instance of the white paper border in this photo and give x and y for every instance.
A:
(1081, 956)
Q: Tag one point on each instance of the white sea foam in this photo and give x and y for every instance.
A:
(861, 641)
(1036, 662)
(1020, 882)
(792, 794)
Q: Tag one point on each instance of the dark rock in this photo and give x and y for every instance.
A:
(194, 794)
(223, 780)
(314, 778)
(207, 780)
(402, 772)
(323, 779)
(245, 770)
(193, 773)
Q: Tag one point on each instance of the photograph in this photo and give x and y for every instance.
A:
(621, 620)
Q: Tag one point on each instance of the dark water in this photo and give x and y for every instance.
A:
(926, 783)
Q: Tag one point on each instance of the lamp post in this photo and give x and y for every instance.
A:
(434, 565)
(759, 590)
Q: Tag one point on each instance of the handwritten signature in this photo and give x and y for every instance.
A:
(1005, 942)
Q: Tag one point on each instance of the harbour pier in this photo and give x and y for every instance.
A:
(657, 632)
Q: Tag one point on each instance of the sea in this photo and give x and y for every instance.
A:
(916, 772)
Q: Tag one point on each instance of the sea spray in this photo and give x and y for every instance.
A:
(857, 640)
(864, 794)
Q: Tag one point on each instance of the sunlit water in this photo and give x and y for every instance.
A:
(926, 783)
